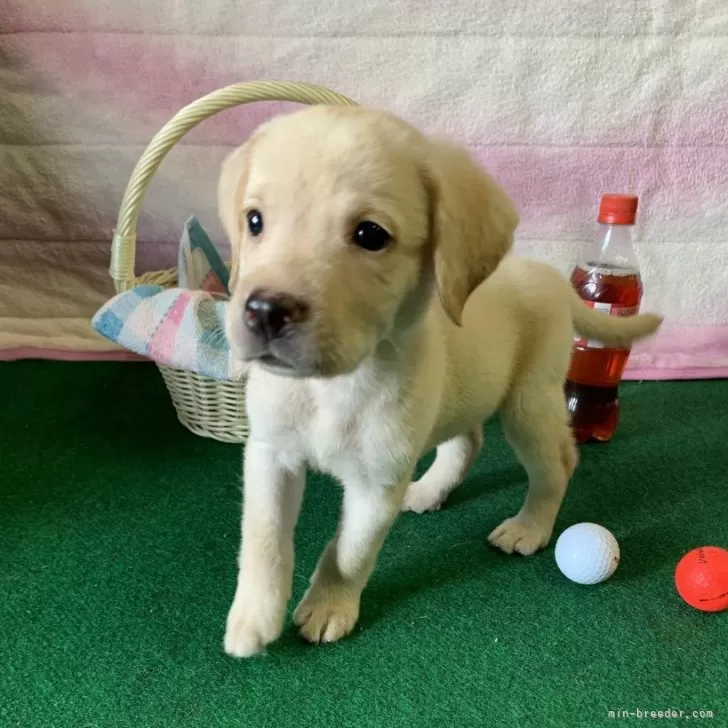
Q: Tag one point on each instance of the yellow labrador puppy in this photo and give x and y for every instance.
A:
(374, 298)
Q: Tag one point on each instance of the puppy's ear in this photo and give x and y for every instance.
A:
(472, 224)
(230, 190)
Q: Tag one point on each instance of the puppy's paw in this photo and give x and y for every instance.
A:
(250, 629)
(326, 614)
(520, 535)
(422, 497)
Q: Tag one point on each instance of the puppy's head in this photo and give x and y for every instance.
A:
(339, 220)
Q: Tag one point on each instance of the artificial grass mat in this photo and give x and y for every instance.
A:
(119, 532)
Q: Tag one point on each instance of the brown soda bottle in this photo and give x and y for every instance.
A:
(608, 279)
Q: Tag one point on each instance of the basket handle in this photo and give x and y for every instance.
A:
(123, 248)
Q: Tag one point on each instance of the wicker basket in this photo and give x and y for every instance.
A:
(205, 406)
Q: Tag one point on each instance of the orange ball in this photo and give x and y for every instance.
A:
(701, 578)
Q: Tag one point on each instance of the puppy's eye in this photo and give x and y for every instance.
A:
(255, 223)
(370, 236)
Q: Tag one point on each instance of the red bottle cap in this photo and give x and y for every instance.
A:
(618, 209)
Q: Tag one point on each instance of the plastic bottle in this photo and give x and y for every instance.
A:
(607, 278)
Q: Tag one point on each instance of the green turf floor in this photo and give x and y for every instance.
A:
(118, 537)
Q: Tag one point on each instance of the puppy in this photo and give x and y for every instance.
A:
(375, 301)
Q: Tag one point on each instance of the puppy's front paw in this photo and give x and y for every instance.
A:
(421, 497)
(520, 535)
(326, 614)
(250, 629)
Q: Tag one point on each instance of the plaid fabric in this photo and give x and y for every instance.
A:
(199, 265)
(177, 327)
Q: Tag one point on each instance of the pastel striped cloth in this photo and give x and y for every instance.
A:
(199, 265)
(175, 327)
(182, 327)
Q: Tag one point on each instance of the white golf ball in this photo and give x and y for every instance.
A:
(587, 553)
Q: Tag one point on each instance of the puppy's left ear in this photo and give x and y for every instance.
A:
(472, 224)
(230, 190)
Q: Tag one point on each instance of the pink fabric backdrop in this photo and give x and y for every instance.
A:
(560, 101)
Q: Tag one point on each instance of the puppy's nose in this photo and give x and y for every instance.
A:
(267, 314)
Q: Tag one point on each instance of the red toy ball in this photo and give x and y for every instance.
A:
(701, 578)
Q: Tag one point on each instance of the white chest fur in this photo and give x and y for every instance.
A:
(359, 434)
(356, 427)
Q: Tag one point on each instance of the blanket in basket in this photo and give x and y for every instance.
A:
(183, 328)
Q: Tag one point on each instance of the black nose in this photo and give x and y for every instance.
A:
(268, 314)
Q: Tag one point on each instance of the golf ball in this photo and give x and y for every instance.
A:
(701, 578)
(587, 553)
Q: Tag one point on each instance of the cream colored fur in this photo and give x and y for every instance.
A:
(386, 368)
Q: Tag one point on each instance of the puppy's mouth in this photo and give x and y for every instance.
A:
(276, 364)
(273, 361)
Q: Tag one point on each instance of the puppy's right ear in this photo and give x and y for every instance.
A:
(473, 221)
(230, 190)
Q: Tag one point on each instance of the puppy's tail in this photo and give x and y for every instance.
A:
(616, 331)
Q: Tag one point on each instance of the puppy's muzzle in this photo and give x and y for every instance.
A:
(270, 316)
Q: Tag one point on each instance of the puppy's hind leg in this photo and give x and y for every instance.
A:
(452, 462)
(536, 425)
